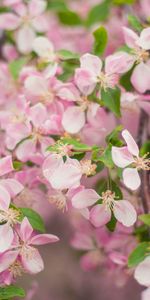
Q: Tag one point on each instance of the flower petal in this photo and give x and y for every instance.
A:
(24, 38)
(142, 272)
(130, 37)
(36, 7)
(85, 81)
(26, 230)
(9, 21)
(131, 178)
(7, 235)
(13, 186)
(121, 156)
(73, 119)
(131, 144)
(6, 165)
(125, 213)
(4, 198)
(42, 239)
(84, 198)
(32, 263)
(92, 63)
(144, 40)
(36, 85)
(140, 77)
(100, 215)
(43, 47)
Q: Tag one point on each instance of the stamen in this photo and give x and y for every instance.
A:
(87, 167)
(11, 216)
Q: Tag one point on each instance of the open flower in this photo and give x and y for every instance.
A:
(129, 155)
(100, 214)
(90, 72)
(27, 20)
(140, 45)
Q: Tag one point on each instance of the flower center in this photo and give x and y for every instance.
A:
(59, 200)
(108, 80)
(142, 163)
(108, 199)
(11, 216)
(141, 55)
(16, 269)
(87, 167)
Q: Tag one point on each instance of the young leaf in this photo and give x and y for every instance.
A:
(11, 291)
(77, 145)
(111, 225)
(139, 254)
(34, 219)
(111, 99)
(135, 23)
(56, 5)
(106, 157)
(16, 66)
(98, 13)
(101, 37)
(67, 55)
(145, 149)
(145, 218)
(68, 17)
(125, 80)
(113, 137)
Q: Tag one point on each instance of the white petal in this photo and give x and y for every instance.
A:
(131, 178)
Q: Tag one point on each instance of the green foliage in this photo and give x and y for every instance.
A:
(145, 149)
(11, 291)
(106, 157)
(139, 254)
(111, 99)
(125, 80)
(123, 2)
(99, 13)
(17, 165)
(145, 218)
(34, 218)
(103, 185)
(113, 137)
(57, 5)
(100, 40)
(67, 55)
(16, 66)
(135, 23)
(69, 18)
(111, 225)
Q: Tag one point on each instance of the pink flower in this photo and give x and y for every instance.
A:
(8, 216)
(60, 174)
(27, 19)
(129, 155)
(141, 74)
(90, 71)
(146, 294)
(100, 214)
(142, 272)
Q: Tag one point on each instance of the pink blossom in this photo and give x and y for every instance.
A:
(27, 19)
(129, 155)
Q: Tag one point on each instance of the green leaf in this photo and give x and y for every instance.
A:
(139, 254)
(56, 5)
(34, 219)
(77, 145)
(122, 2)
(135, 23)
(17, 165)
(11, 291)
(113, 137)
(98, 13)
(111, 99)
(145, 218)
(67, 55)
(68, 17)
(16, 66)
(145, 149)
(106, 157)
(125, 80)
(101, 38)
(103, 186)
(111, 225)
